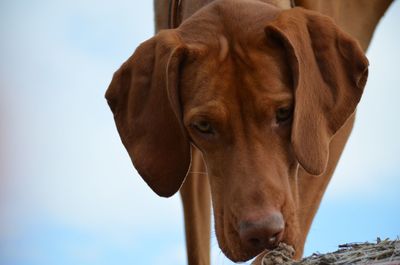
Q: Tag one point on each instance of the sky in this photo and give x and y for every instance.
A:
(69, 194)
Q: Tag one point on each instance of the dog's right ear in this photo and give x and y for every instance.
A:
(143, 95)
(330, 71)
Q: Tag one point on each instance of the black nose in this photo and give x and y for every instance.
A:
(263, 233)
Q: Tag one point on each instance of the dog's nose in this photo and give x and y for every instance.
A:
(264, 233)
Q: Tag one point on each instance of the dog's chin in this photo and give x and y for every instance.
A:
(240, 256)
(244, 256)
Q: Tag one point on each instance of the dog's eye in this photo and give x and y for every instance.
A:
(203, 127)
(283, 114)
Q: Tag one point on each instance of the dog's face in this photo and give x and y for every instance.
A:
(238, 111)
(259, 92)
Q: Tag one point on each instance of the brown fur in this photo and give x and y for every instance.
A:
(233, 64)
(357, 17)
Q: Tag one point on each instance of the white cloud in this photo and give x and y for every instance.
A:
(172, 255)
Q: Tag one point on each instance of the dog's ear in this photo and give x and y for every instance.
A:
(329, 74)
(144, 97)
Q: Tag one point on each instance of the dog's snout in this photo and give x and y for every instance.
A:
(263, 233)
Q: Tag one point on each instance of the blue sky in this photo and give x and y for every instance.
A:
(69, 194)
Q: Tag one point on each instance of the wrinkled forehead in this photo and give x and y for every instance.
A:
(231, 56)
(230, 72)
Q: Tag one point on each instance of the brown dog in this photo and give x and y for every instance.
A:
(264, 97)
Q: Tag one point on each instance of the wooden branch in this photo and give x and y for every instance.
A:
(383, 252)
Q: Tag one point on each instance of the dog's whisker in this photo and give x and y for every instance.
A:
(198, 172)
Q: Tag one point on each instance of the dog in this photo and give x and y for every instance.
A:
(249, 103)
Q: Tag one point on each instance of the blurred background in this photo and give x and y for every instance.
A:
(68, 191)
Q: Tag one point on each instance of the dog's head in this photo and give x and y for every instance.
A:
(259, 91)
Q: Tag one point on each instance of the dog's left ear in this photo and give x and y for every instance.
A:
(329, 74)
(144, 98)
